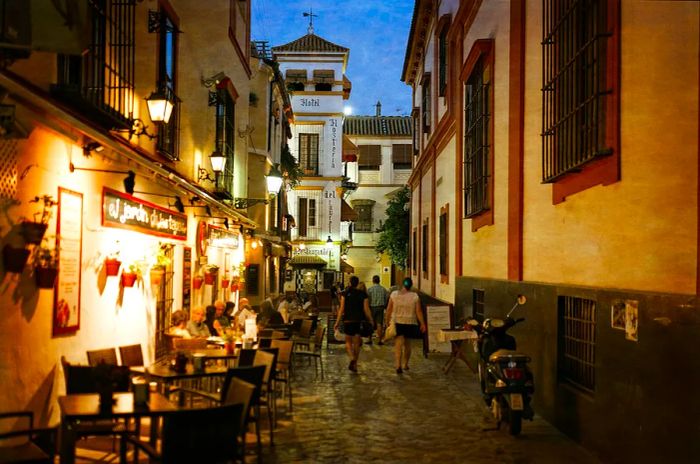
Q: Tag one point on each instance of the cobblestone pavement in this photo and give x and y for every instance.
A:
(422, 416)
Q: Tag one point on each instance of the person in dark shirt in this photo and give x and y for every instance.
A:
(354, 308)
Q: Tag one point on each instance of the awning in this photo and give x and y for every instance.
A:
(307, 261)
(346, 268)
(350, 150)
(346, 212)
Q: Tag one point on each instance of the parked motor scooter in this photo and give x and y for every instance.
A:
(506, 381)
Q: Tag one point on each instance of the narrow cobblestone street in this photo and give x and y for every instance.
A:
(422, 416)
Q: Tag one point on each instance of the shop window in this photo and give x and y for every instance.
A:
(167, 143)
(401, 155)
(426, 103)
(308, 154)
(100, 82)
(370, 157)
(577, 337)
(579, 90)
(477, 155)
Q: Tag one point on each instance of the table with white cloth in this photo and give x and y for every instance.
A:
(456, 337)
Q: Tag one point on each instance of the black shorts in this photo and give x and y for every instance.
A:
(408, 331)
(351, 328)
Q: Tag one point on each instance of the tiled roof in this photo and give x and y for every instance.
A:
(310, 43)
(377, 125)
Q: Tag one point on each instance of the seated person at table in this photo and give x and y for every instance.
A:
(196, 325)
(246, 313)
(242, 303)
(285, 307)
(269, 315)
(178, 319)
(230, 309)
(221, 320)
(209, 314)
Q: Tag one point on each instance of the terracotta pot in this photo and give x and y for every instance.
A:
(234, 287)
(209, 279)
(157, 276)
(128, 279)
(229, 347)
(224, 283)
(197, 282)
(33, 232)
(45, 276)
(14, 259)
(112, 266)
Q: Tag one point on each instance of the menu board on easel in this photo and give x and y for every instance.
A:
(438, 317)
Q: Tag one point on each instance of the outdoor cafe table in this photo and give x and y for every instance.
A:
(456, 337)
(85, 407)
(166, 376)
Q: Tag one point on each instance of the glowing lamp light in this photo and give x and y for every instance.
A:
(159, 107)
(254, 244)
(347, 110)
(274, 181)
(329, 242)
(302, 246)
(218, 161)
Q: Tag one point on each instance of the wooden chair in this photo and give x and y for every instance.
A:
(35, 445)
(267, 359)
(189, 343)
(106, 356)
(246, 357)
(131, 355)
(315, 351)
(284, 365)
(303, 339)
(196, 435)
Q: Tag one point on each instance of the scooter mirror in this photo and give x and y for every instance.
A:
(522, 299)
(497, 323)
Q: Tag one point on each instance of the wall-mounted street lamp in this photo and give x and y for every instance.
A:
(329, 242)
(129, 180)
(159, 107)
(273, 180)
(218, 163)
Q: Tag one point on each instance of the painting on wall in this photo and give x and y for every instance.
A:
(69, 233)
(617, 314)
(631, 320)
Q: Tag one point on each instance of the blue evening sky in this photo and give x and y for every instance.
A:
(375, 31)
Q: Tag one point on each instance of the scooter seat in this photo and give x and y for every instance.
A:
(508, 355)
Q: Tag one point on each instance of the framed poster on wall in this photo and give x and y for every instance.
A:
(69, 243)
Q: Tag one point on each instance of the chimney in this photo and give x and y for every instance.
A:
(379, 108)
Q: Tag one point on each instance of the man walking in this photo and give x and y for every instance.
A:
(378, 298)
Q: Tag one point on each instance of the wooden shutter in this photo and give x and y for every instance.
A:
(303, 217)
(370, 156)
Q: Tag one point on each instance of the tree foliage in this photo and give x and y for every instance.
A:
(394, 234)
(290, 168)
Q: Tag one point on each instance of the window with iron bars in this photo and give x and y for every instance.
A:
(168, 133)
(442, 56)
(308, 154)
(478, 304)
(424, 249)
(426, 103)
(574, 88)
(364, 218)
(100, 82)
(577, 336)
(477, 123)
(225, 138)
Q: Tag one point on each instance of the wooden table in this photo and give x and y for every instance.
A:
(85, 407)
(167, 377)
(456, 338)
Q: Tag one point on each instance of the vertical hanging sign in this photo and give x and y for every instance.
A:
(69, 227)
(334, 133)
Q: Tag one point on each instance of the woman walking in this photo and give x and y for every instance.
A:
(354, 308)
(404, 306)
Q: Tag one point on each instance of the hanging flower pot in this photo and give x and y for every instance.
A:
(33, 232)
(157, 274)
(234, 287)
(224, 283)
(45, 276)
(210, 273)
(112, 266)
(209, 279)
(197, 282)
(14, 259)
(128, 279)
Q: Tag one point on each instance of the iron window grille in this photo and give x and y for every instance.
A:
(401, 155)
(477, 121)
(168, 134)
(577, 337)
(574, 90)
(364, 218)
(478, 304)
(442, 65)
(426, 103)
(442, 230)
(308, 154)
(225, 139)
(100, 82)
(370, 157)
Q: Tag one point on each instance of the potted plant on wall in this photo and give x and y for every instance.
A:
(210, 272)
(225, 281)
(130, 275)
(197, 282)
(112, 264)
(14, 259)
(45, 265)
(158, 268)
(33, 231)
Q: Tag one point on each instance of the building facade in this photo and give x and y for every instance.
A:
(547, 167)
(385, 155)
(141, 212)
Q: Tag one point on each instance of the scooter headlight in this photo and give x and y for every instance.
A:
(500, 383)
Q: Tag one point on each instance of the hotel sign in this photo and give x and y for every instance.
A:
(127, 212)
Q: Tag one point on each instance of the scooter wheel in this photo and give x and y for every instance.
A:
(515, 421)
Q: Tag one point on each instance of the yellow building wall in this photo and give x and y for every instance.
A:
(445, 195)
(426, 201)
(485, 251)
(641, 232)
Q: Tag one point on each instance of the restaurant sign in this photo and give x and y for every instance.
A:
(128, 212)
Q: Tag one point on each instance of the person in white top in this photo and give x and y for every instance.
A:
(285, 307)
(404, 307)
